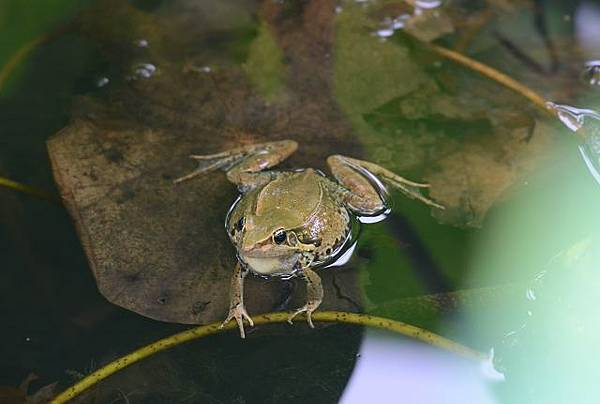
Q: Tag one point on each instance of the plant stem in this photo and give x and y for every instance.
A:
(17, 58)
(214, 328)
(6, 183)
(495, 75)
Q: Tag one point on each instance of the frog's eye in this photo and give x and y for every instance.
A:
(279, 237)
(240, 224)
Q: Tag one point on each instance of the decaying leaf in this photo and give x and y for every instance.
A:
(470, 180)
(20, 395)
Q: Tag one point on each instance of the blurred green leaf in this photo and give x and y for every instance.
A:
(22, 23)
(265, 66)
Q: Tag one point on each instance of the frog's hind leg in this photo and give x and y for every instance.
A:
(244, 164)
(314, 296)
(361, 179)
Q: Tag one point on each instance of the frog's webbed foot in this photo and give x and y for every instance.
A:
(239, 313)
(243, 164)
(359, 177)
(237, 310)
(308, 308)
(206, 164)
(314, 296)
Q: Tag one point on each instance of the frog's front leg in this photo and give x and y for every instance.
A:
(361, 177)
(237, 310)
(314, 296)
(244, 164)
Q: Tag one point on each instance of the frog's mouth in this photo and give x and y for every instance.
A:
(283, 264)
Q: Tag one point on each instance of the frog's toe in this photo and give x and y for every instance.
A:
(239, 314)
(304, 309)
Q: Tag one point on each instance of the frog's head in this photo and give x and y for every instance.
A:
(263, 226)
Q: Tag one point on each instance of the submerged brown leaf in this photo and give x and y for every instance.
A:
(21, 395)
(160, 249)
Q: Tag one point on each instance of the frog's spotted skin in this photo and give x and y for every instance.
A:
(288, 222)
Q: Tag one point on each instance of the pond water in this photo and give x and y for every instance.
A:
(508, 268)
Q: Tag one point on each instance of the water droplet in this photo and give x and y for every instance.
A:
(142, 43)
(102, 81)
(530, 294)
(591, 73)
(143, 71)
(428, 4)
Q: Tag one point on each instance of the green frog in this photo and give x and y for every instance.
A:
(288, 223)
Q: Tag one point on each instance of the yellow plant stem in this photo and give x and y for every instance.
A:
(214, 328)
(495, 75)
(6, 183)
(17, 58)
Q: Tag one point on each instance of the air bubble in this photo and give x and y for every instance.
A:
(385, 33)
(143, 71)
(428, 4)
(102, 81)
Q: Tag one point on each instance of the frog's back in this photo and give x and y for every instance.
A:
(322, 219)
(290, 198)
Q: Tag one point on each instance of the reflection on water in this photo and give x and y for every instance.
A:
(395, 370)
(586, 123)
